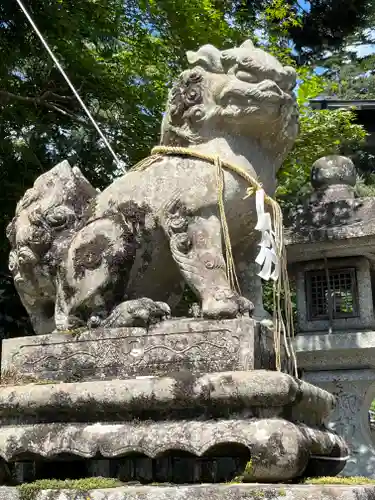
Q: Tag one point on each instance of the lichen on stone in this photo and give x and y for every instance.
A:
(30, 491)
(12, 377)
(355, 480)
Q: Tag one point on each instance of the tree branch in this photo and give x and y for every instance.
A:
(48, 94)
(6, 96)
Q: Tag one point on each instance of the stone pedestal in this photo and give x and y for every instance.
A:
(194, 345)
(256, 411)
(355, 390)
(185, 401)
(339, 363)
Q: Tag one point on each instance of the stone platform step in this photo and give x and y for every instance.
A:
(279, 450)
(206, 491)
(260, 392)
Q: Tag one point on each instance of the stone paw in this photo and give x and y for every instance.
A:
(226, 304)
(139, 312)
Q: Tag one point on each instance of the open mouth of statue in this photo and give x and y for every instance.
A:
(241, 93)
(18, 279)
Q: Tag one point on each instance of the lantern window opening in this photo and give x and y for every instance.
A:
(341, 295)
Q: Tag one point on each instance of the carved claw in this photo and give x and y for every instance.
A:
(245, 306)
(226, 304)
(140, 312)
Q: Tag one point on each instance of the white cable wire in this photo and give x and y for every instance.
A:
(60, 68)
(333, 459)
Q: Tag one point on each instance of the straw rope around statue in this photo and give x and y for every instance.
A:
(274, 235)
(272, 242)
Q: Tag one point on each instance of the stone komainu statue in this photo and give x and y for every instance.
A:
(123, 256)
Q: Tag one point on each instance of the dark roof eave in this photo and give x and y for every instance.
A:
(342, 103)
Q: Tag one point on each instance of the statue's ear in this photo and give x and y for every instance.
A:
(207, 57)
(290, 78)
(248, 44)
(83, 182)
(64, 182)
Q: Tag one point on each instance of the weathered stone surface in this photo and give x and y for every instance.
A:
(198, 346)
(294, 443)
(355, 239)
(355, 391)
(333, 178)
(156, 228)
(342, 350)
(335, 350)
(208, 491)
(261, 393)
(331, 214)
(43, 224)
(312, 404)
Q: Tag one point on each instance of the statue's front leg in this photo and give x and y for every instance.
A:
(196, 246)
(92, 279)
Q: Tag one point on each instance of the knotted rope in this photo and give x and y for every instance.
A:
(282, 329)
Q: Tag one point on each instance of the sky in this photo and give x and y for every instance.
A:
(304, 4)
(362, 50)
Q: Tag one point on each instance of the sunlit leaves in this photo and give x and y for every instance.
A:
(322, 132)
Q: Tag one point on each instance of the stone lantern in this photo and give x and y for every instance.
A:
(331, 258)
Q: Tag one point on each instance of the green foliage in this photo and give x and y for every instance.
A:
(365, 187)
(322, 132)
(323, 25)
(121, 57)
(328, 25)
(355, 79)
(275, 23)
(29, 491)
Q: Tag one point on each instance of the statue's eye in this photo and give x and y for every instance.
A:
(60, 218)
(247, 61)
(193, 96)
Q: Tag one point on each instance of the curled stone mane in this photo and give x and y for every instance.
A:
(185, 103)
(241, 91)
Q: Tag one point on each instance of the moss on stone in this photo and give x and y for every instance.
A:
(13, 378)
(29, 491)
(249, 468)
(355, 480)
(236, 480)
(257, 495)
(75, 332)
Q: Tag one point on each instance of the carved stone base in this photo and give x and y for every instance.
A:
(280, 450)
(197, 346)
(206, 491)
(261, 393)
(255, 413)
(355, 390)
